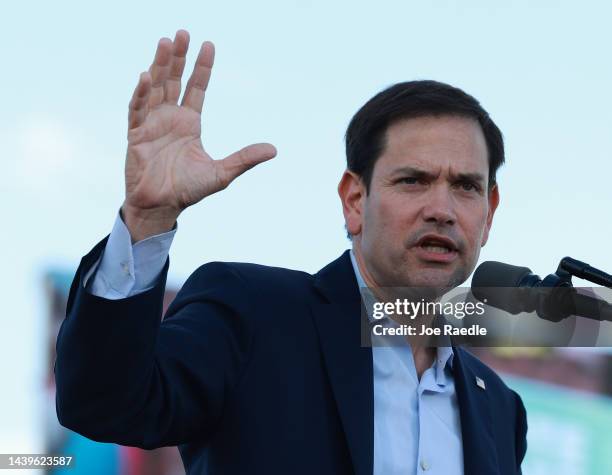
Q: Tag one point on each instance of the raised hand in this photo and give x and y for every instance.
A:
(167, 168)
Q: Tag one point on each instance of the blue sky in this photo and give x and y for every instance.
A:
(291, 73)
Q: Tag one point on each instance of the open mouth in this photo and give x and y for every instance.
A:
(437, 248)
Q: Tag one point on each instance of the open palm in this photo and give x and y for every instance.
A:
(167, 168)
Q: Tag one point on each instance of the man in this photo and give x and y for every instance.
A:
(257, 369)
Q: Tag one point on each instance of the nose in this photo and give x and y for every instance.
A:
(439, 207)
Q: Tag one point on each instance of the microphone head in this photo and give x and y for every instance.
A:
(498, 274)
(499, 285)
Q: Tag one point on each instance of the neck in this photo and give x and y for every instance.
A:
(361, 263)
(422, 354)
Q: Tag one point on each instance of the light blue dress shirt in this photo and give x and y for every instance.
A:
(124, 269)
(416, 422)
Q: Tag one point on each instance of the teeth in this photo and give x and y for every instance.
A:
(436, 249)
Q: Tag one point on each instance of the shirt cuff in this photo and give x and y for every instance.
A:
(127, 269)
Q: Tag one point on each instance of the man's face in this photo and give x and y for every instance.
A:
(428, 211)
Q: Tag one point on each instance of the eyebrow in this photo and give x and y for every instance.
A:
(420, 173)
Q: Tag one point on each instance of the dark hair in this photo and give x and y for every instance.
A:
(365, 135)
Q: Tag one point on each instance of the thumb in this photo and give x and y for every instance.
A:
(244, 159)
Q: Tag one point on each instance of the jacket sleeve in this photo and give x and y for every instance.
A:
(125, 376)
(521, 432)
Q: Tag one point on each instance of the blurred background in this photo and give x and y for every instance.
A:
(293, 73)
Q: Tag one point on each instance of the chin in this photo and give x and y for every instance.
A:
(436, 278)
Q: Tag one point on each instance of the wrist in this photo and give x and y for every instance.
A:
(144, 223)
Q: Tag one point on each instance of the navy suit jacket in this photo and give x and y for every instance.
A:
(253, 370)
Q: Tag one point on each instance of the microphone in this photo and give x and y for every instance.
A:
(584, 271)
(517, 289)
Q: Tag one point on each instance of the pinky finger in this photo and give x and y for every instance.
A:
(138, 107)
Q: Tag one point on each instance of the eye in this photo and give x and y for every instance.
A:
(469, 186)
(409, 180)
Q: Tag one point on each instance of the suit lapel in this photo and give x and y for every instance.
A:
(340, 325)
(338, 319)
(479, 452)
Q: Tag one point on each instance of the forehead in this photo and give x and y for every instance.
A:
(444, 143)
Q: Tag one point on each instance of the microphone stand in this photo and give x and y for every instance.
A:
(557, 298)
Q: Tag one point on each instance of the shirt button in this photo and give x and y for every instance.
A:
(125, 267)
(424, 465)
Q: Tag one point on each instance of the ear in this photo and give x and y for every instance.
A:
(352, 191)
(493, 203)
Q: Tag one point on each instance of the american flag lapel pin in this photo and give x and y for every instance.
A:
(480, 383)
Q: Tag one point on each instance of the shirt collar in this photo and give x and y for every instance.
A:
(445, 354)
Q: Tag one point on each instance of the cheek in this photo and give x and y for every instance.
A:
(393, 219)
(382, 221)
(474, 228)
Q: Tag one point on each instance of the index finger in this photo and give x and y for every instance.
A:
(198, 82)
